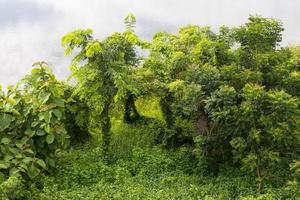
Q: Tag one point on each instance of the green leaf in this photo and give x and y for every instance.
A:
(92, 48)
(29, 132)
(19, 155)
(11, 101)
(41, 163)
(14, 171)
(13, 150)
(130, 21)
(57, 113)
(46, 98)
(4, 165)
(33, 171)
(58, 101)
(29, 151)
(50, 138)
(5, 140)
(2, 178)
(40, 132)
(5, 121)
(34, 124)
(46, 115)
(48, 128)
(24, 167)
(50, 161)
(27, 160)
(8, 158)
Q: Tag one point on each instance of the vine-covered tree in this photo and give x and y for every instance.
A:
(101, 69)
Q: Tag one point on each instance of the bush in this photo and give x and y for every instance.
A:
(32, 124)
(262, 129)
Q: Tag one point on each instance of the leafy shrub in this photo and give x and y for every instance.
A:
(76, 116)
(32, 127)
(263, 129)
(12, 188)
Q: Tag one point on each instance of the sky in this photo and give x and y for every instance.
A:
(31, 30)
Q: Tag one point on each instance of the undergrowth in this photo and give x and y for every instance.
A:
(140, 170)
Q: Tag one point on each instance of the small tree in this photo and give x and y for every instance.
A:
(101, 69)
(262, 127)
(32, 124)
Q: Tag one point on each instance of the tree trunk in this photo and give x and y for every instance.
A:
(105, 127)
(131, 114)
(165, 104)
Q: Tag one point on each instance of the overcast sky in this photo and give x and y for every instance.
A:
(30, 30)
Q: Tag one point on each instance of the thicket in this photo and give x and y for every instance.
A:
(231, 98)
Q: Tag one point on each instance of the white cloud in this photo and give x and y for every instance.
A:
(27, 39)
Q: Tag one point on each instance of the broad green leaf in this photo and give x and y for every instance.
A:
(58, 101)
(11, 101)
(13, 150)
(47, 128)
(33, 171)
(29, 151)
(50, 138)
(27, 160)
(40, 132)
(57, 113)
(46, 115)
(14, 171)
(45, 98)
(19, 155)
(5, 120)
(35, 123)
(41, 163)
(8, 158)
(29, 132)
(20, 143)
(50, 161)
(24, 167)
(4, 165)
(5, 140)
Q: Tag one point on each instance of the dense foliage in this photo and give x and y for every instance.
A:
(188, 115)
(32, 124)
(103, 78)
